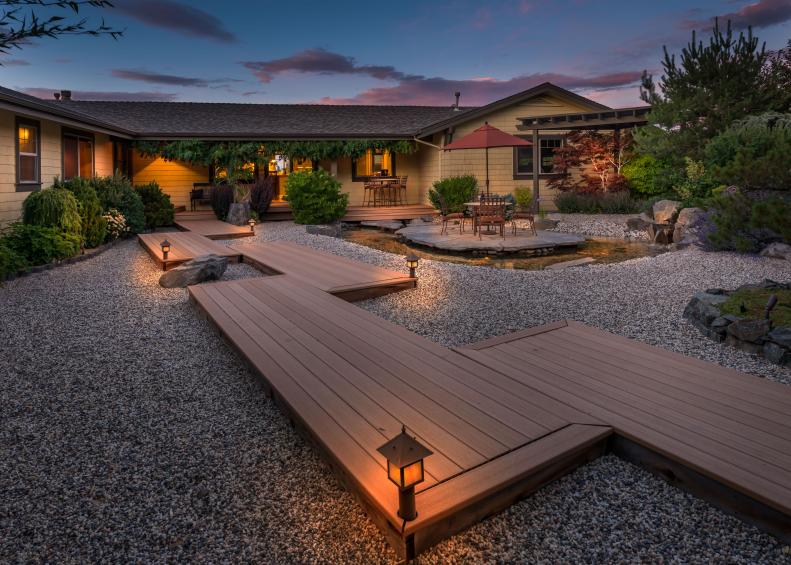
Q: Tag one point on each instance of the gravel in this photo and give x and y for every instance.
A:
(598, 225)
(131, 432)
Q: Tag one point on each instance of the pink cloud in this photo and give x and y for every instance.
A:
(763, 13)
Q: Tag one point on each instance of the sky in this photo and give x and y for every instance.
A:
(406, 52)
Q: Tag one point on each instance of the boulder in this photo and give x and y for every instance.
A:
(329, 230)
(777, 250)
(665, 211)
(749, 330)
(660, 233)
(781, 336)
(386, 225)
(702, 310)
(688, 216)
(197, 270)
(238, 213)
(777, 354)
(638, 223)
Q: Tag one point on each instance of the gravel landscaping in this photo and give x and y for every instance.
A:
(597, 225)
(131, 432)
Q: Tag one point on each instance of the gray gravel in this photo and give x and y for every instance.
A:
(130, 432)
(597, 225)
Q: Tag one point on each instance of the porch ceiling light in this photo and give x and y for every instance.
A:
(405, 456)
(411, 262)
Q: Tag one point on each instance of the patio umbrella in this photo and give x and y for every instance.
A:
(485, 137)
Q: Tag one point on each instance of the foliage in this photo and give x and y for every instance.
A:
(622, 202)
(261, 195)
(753, 153)
(116, 224)
(523, 196)
(117, 192)
(11, 261)
(18, 28)
(94, 226)
(455, 191)
(644, 175)
(222, 196)
(157, 207)
(600, 158)
(754, 300)
(40, 245)
(736, 222)
(704, 92)
(697, 184)
(52, 207)
(315, 197)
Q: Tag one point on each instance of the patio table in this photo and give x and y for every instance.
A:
(473, 207)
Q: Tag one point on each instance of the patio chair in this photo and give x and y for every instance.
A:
(491, 213)
(200, 194)
(528, 215)
(369, 193)
(400, 188)
(445, 215)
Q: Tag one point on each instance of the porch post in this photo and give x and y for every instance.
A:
(536, 166)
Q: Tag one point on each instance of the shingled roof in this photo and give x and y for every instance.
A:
(261, 121)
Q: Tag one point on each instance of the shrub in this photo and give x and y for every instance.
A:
(597, 203)
(315, 197)
(736, 222)
(455, 190)
(157, 207)
(643, 175)
(53, 207)
(697, 184)
(11, 262)
(222, 196)
(116, 224)
(261, 195)
(117, 192)
(40, 245)
(523, 196)
(753, 153)
(94, 226)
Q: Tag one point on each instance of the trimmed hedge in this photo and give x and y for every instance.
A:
(157, 207)
(40, 245)
(315, 197)
(456, 191)
(53, 207)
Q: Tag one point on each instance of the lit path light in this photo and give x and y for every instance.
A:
(405, 456)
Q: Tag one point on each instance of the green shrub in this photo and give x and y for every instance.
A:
(597, 203)
(40, 245)
(455, 190)
(523, 196)
(736, 222)
(157, 206)
(222, 196)
(11, 262)
(697, 184)
(52, 207)
(753, 153)
(117, 192)
(315, 197)
(644, 175)
(94, 226)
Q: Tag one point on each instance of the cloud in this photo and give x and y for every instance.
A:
(14, 63)
(475, 92)
(176, 16)
(114, 96)
(763, 13)
(319, 61)
(171, 80)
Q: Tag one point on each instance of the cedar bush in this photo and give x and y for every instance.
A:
(11, 261)
(222, 196)
(736, 222)
(315, 197)
(644, 175)
(39, 245)
(117, 192)
(597, 203)
(53, 207)
(157, 207)
(455, 190)
(94, 225)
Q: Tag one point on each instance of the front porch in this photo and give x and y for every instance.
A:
(280, 211)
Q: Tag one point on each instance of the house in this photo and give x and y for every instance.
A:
(44, 139)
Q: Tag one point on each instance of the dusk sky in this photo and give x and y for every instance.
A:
(405, 52)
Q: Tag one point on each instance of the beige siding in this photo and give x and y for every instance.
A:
(103, 155)
(174, 177)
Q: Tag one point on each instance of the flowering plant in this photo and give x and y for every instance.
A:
(116, 224)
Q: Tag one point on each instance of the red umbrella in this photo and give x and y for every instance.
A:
(485, 137)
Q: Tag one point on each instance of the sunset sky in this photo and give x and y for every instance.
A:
(406, 52)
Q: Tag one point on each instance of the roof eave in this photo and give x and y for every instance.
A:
(154, 136)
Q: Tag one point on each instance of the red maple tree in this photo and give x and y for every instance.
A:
(599, 159)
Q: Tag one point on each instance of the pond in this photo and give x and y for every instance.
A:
(603, 250)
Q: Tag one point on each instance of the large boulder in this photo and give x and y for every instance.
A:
(329, 230)
(750, 330)
(238, 213)
(777, 250)
(197, 270)
(638, 223)
(688, 216)
(781, 336)
(703, 309)
(665, 211)
(777, 354)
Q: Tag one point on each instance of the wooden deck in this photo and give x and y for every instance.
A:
(212, 228)
(350, 280)
(370, 213)
(184, 246)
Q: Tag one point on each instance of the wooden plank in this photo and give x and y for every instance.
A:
(184, 246)
(213, 228)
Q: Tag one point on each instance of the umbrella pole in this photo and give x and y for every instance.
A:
(487, 171)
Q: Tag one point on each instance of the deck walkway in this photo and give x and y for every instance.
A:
(350, 280)
(211, 227)
(184, 246)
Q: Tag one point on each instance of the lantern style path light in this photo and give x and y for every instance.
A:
(165, 245)
(411, 262)
(405, 456)
(251, 222)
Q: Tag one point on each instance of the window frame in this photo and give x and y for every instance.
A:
(124, 146)
(526, 176)
(27, 186)
(365, 178)
(77, 134)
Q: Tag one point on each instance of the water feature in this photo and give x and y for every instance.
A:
(603, 250)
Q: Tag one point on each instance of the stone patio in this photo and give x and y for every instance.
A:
(524, 242)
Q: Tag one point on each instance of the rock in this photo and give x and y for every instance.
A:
(567, 264)
(688, 216)
(660, 233)
(702, 311)
(781, 336)
(386, 225)
(665, 211)
(238, 213)
(330, 230)
(777, 250)
(777, 354)
(716, 291)
(428, 219)
(197, 270)
(749, 330)
(638, 223)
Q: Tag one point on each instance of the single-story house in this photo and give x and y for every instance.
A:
(43, 139)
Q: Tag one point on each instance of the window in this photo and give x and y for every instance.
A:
(375, 163)
(122, 157)
(77, 155)
(28, 155)
(523, 157)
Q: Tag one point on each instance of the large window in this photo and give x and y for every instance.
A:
(523, 157)
(77, 155)
(28, 155)
(375, 163)
(122, 157)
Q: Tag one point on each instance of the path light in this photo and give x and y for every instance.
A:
(251, 222)
(165, 245)
(411, 262)
(405, 456)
